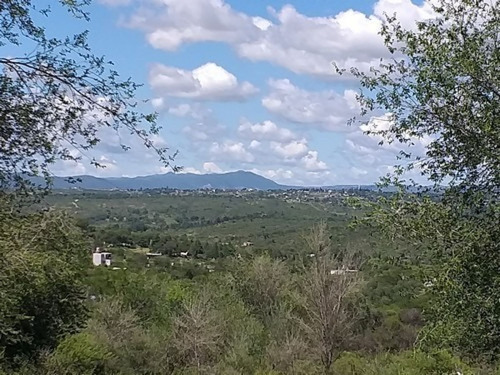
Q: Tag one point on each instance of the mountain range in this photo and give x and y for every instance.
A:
(183, 181)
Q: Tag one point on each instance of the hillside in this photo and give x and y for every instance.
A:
(185, 181)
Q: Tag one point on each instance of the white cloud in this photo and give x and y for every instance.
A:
(277, 146)
(202, 131)
(194, 110)
(325, 109)
(255, 144)
(108, 164)
(320, 178)
(311, 162)
(203, 126)
(170, 23)
(406, 11)
(231, 150)
(208, 82)
(158, 103)
(262, 23)
(211, 167)
(69, 168)
(348, 38)
(266, 130)
(137, 159)
(207, 167)
(190, 170)
(280, 175)
(366, 140)
(290, 150)
(370, 159)
(182, 110)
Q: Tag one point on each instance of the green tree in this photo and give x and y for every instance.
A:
(264, 285)
(79, 354)
(442, 85)
(57, 97)
(41, 291)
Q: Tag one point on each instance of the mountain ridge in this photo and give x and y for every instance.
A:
(182, 181)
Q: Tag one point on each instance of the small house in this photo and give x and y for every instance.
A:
(101, 259)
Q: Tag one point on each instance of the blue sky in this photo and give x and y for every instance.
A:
(249, 85)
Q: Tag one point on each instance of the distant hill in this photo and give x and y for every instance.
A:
(185, 181)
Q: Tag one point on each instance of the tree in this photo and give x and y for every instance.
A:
(121, 332)
(56, 98)
(197, 332)
(42, 297)
(328, 288)
(442, 85)
(264, 284)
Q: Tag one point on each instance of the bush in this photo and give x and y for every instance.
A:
(406, 363)
(79, 354)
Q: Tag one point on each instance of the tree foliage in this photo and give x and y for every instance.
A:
(442, 86)
(41, 293)
(58, 95)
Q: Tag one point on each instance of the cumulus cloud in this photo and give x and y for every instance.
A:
(348, 38)
(290, 150)
(115, 159)
(203, 125)
(274, 145)
(190, 170)
(312, 163)
(158, 103)
(70, 168)
(365, 140)
(208, 82)
(255, 144)
(266, 130)
(194, 110)
(211, 167)
(182, 110)
(231, 150)
(207, 167)
(279, 175)
(325, 109)
(370, 159)
(170, 23)
(406, 11)
(274, 151)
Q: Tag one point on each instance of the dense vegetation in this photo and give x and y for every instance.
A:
(240, 309)
(254, 282)
(228, 307)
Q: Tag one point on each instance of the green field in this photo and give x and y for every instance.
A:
(271, 222)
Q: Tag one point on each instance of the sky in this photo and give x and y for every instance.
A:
(246, 85)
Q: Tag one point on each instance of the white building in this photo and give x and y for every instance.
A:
(101, 259)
